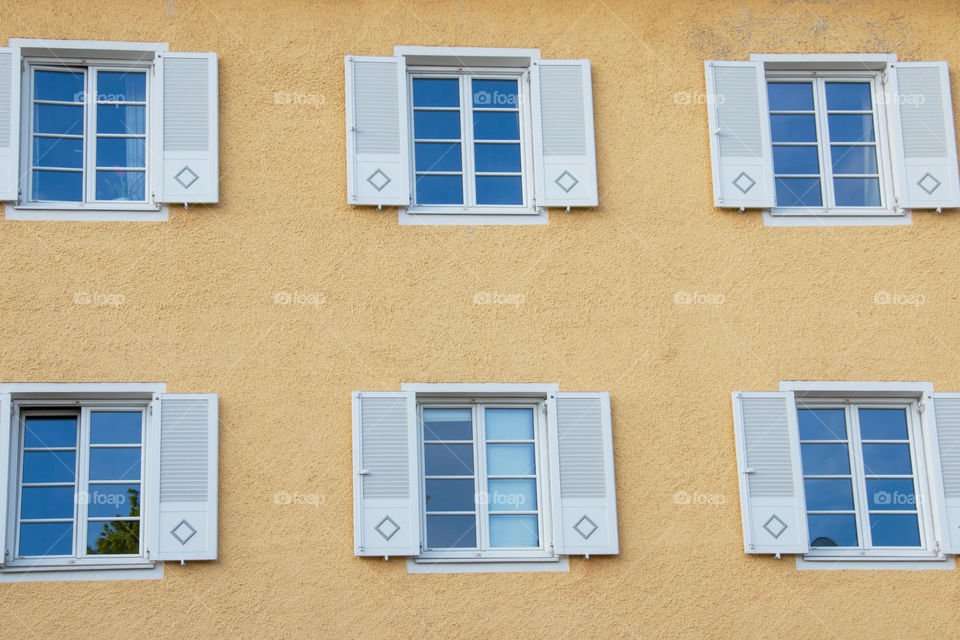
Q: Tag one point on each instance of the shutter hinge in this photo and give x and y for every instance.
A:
(922, 406)
(884, 75)
(936, 547)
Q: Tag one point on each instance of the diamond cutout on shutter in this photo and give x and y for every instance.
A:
(379, 180)
(778, 526)
(186, 177)
(566, 181)
(391, 527)
(744, 182)
(585, 527)
(928, 183)
(183, 532)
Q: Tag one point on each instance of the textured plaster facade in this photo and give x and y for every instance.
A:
(596, 307)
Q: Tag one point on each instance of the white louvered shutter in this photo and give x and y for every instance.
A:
(582, 479)
(190, 140)
(924, 143)
(6, 434)
(947, 479)
(772, 503)
(378, 158)
(9, 123)
(740, 150)
(564, 143)
(386, 494)
(188, 476)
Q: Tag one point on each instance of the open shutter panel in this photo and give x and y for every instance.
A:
(378, 159)
(925, 147)
(6, 433)
(385, 474)
(582, 481)
(740, 149)
(771, 480)
(190, 131)
(188, 476)
(947, 414)
(9, 123)
(565, 148)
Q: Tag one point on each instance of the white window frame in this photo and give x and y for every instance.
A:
(900, 394)
(80, 397)
(480, 476)
(91, 55)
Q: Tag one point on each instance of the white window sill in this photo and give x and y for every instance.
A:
(420, 566)
(812, 563)
(473, 219)
(147, 571)
(779, 218)
(12, 212)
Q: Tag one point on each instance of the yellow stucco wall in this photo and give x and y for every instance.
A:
(398, 306)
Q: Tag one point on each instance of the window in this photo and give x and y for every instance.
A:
(860, 474)
(105, 130)
(483, 477)
(105, 477)
(482, 486)
(457, 135)
(832, 139)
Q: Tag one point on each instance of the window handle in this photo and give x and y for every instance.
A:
(748, 471)
(363, 472)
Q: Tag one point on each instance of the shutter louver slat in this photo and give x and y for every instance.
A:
(9, 124)
(5, 436)
(947, 427)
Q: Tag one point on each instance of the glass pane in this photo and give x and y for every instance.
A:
(883, 424)
(496, 125)
(114, 500)
(790, 96)
(47, 502)
(113, 538)
(115, 427)
(512, 495)
(448, 459)
(447, 424)
(121, 152)
(822, 424)
(57, 118)
(497, 157)
(115, 464)
(885, 494)
(828, 494)
(851, 128)
(58, 186)
(887, 459)
(438, 156)
(62, 86)
(509, 424)
(121, 119)
(498, 94)
(511, 460)
(46, 539)
(825, 459)
(439, 190)
(444, 532)
(514, 531)
(894, 530)
(848, 159)
(436, 125)
(58, 152)
(832, 530)
(436, 92)
(857, 192)
(450, 495)
(499, 190)
(795, 160)
(121, 86)
(50, 432)
(49, 466)
(798, 192)
(793, 128)
(848, 96)
(121, 185)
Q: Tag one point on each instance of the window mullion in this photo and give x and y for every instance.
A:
(82, 483)
(480, 480)
(861, 504)
(90, 135)
(466, 134)
(823, 137)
